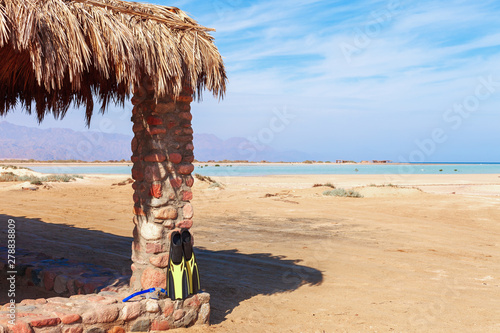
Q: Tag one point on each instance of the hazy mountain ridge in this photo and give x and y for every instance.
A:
(21, 142)
(60, 143)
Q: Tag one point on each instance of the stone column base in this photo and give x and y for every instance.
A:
(105, 312)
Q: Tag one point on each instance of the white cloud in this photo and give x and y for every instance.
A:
(419, 62)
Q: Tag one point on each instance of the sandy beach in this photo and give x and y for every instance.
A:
(277, 255)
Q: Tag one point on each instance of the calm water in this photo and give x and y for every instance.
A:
(295, 169)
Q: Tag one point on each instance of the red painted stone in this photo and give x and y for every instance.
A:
(184, 138)
(186, 169)
(176, 182)
(48, 280)
(185, 224)
(135, 100)
(143, 188)
(186, 196)
(153, 278)
(154, 248)
(189, 146)
(160, 325)
(178, 132)
(189, 159)
(135, 158)
(156, 130)
(168, 213)
(68, 318)
(155, 190)
(187, 211)
(42, 322)
(165, 107)
(20, 327)
(184, 99)
(134, 185)
(178, 314)
(73, 329)
(187, 131)
(187, 91)
(137, 127)
(155, 158)
(134, 144)
(153, 120)
(175, 158)
(169, 308)
(137, 174)
(160, 260)
(184, 107)
(136, 197)
(139, 211)
(171, 124)
(187, 125)
(186, 116)
(189, 181)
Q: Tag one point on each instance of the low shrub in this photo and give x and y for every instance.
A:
(15, 167)
(11, 177)
(8, 177)
(204, 178)
(216, 184)
(340, 192)
(325, 184)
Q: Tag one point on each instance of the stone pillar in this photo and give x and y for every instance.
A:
(162, 155)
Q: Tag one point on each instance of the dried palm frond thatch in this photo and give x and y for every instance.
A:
(57, 52)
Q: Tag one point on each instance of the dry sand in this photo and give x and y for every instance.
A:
(278, 256)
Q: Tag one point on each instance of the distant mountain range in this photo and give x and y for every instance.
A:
(21, 142)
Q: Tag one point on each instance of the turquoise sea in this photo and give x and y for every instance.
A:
(295, 169)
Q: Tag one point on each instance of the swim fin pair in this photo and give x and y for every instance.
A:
(183, 278)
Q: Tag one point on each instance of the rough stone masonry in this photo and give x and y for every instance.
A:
(162, 155)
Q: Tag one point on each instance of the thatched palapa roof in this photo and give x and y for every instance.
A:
(57, 52)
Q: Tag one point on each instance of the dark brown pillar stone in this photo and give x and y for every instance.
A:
(162, 155)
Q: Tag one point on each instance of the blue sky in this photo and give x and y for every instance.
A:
(401, 80)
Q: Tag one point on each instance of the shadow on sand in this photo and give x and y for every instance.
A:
(229, 276)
